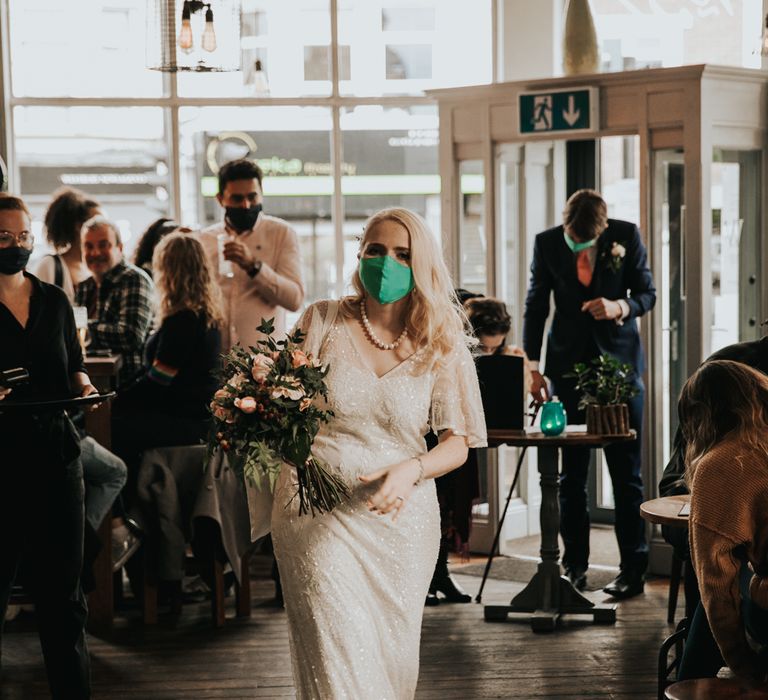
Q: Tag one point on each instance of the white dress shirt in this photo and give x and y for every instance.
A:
(277, 286)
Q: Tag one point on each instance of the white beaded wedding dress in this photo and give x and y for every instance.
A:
(355, 582)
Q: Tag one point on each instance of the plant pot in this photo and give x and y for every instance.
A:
(608, 420)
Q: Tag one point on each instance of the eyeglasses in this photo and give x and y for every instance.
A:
(25, 239)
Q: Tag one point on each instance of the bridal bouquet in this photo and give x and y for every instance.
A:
(264, 413)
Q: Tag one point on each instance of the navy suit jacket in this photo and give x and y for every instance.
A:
(574, 331)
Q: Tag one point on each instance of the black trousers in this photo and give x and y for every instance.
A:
(624, 465)
(41, 539)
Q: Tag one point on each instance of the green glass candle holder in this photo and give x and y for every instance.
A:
(553, 417)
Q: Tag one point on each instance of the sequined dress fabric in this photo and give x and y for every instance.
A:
(354, 582)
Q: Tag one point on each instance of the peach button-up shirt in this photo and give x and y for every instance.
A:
(276, 288)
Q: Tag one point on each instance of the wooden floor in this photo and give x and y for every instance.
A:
(463, 657)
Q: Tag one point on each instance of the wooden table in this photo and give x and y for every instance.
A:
(549, 594)
(666, 510)
(103, 372)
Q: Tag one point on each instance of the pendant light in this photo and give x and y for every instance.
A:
(193, 36)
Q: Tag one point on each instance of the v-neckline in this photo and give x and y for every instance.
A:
(360, 356)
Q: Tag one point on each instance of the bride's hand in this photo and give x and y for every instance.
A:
(398, 481)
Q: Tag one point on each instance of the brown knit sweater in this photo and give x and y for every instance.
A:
(729, 508)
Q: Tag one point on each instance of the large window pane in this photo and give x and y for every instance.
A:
(88, 48)
(292, 147)
(408, 47)
(292, 42)
(117, 155)
(653, 33)
(390, 160)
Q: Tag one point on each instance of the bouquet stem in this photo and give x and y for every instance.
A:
(320, 491)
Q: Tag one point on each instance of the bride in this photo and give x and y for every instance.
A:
(355, 579)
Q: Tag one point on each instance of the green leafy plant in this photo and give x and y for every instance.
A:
(604, 381)
(266, 413)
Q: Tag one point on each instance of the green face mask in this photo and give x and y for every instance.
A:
(578, 247)
(385, 279)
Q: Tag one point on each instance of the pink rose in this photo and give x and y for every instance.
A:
(299, 359)
(247, 404)
(221, 394)
(305, 403)
(262, 366)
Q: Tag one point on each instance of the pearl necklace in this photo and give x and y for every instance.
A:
(373, 337)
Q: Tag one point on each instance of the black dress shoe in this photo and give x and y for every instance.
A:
(451, 590)
(577, 577)
(432, 599)
(627, 584)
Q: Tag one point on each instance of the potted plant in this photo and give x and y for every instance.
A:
(605, 385)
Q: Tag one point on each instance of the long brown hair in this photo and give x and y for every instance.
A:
(723, 399)
(184, 280)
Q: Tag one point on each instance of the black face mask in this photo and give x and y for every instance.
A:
(13, 259)
(242, 219)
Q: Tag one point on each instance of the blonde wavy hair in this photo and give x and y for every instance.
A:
(183, 279)
(434, 319)
(723, 399)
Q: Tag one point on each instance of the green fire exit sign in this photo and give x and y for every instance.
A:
(558, 111)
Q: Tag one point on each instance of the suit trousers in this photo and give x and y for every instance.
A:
(41, 538)
(624, 466)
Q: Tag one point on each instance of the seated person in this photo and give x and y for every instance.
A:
(167, 405)
(490, 325)
(753, 353)
(64, 218)
(155, 232)
(724, 419)
(457, 490)
(118, 297)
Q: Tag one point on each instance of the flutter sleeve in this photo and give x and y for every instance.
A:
(456, 403)
(313, 323)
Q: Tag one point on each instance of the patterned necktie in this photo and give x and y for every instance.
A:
(583, 268)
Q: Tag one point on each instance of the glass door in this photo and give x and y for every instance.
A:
(668, 190)
(735, 247)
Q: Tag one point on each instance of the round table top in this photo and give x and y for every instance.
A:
(666, 510)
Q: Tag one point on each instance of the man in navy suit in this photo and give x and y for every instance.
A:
(598, 270)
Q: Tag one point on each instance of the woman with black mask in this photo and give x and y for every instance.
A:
(41, 481)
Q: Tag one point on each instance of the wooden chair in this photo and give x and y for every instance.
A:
(668, 669)
(675, 579)
(713, 689)
(216, 575)
(185, 501)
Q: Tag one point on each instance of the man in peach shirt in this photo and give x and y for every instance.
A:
(264, 275)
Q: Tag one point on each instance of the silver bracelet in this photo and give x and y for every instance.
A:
(421, 471)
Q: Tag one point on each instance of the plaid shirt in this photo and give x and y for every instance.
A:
(120, 314)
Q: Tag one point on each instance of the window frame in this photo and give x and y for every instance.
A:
(171, 103)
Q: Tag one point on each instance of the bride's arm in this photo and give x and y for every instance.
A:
(399, 480)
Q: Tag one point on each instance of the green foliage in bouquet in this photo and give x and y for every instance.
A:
(604, 381)
(265, 414)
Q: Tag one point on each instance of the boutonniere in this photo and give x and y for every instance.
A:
(615, 256)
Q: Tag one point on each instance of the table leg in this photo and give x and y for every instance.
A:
(549, 594)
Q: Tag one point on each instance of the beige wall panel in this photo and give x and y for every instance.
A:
(504, 126)
(619, 108)
(667, 107)
(735, 104)
(468, 123)
(469, 151)
(666, 138)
